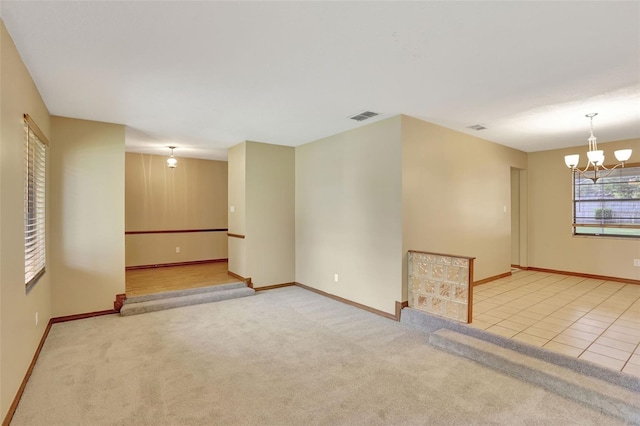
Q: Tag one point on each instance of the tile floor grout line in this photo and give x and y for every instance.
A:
(618, 317)
(591, 292)
(602, 333)
(536, 290)
(632, 353)
(548, 315)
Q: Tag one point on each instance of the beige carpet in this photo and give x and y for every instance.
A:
(282, 357)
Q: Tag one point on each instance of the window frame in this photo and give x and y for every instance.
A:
(35, 147)
(624, 229)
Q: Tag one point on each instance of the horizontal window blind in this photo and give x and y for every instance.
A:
(34, 202)
(610, 206)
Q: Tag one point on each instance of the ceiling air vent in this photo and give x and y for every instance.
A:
(361, 116)
(477, 127)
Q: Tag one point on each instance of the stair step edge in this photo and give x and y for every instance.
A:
(187, 292)
(429, 324)
(176, 302)
(616, 400)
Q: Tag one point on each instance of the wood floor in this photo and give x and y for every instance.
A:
(157, 280)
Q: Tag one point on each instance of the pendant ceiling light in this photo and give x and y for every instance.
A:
(595, 158)
(172, 162)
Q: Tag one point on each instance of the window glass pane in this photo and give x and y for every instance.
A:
(611, 206)
(34, 206)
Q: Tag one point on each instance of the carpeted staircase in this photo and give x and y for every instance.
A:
(174, 299)
(610, 391)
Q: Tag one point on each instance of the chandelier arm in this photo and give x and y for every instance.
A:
(603, 167)
(582, 172)
(596, 168)
(621, 165)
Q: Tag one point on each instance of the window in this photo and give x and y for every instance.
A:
(609, 207)
(35, 144)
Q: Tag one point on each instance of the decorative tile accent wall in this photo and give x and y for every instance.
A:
(439, 284)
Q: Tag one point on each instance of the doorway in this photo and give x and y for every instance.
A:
(175, 224)
(518, 219)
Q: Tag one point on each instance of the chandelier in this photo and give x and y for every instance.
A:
(172, 162)
(595, 158)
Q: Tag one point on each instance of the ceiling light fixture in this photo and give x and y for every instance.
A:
(595, 158)
(172, 162)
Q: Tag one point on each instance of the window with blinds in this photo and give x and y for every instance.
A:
(609, 207)
(35, 149)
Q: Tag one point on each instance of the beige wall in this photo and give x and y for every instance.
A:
(3, 36)
(270, 217)
(261, 192)
(551, 243)
(456, 192)
(191, 196)
(19, 335)
(524, 218)
(515, 216)
(348, 214)
(159, 249)
(87, 215)
(237, 218)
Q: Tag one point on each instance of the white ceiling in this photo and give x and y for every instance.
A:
(205, 76)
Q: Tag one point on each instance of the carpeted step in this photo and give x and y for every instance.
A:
(616, 400)
(186, 292)
(141, 307)
(430, 323)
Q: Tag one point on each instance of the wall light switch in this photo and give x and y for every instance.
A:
(177, 249)
(232, 209)
(36, 318)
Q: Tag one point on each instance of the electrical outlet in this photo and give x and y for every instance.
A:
(636, 262)
(335, 277)
(177, 249)
(36, 318)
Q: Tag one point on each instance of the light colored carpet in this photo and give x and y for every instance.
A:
(282, 357)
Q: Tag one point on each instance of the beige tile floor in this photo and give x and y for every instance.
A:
(590, 319)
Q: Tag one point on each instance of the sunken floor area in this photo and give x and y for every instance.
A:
(590, 319)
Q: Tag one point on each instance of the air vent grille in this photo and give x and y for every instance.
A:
(477, 127)
(361, 116)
